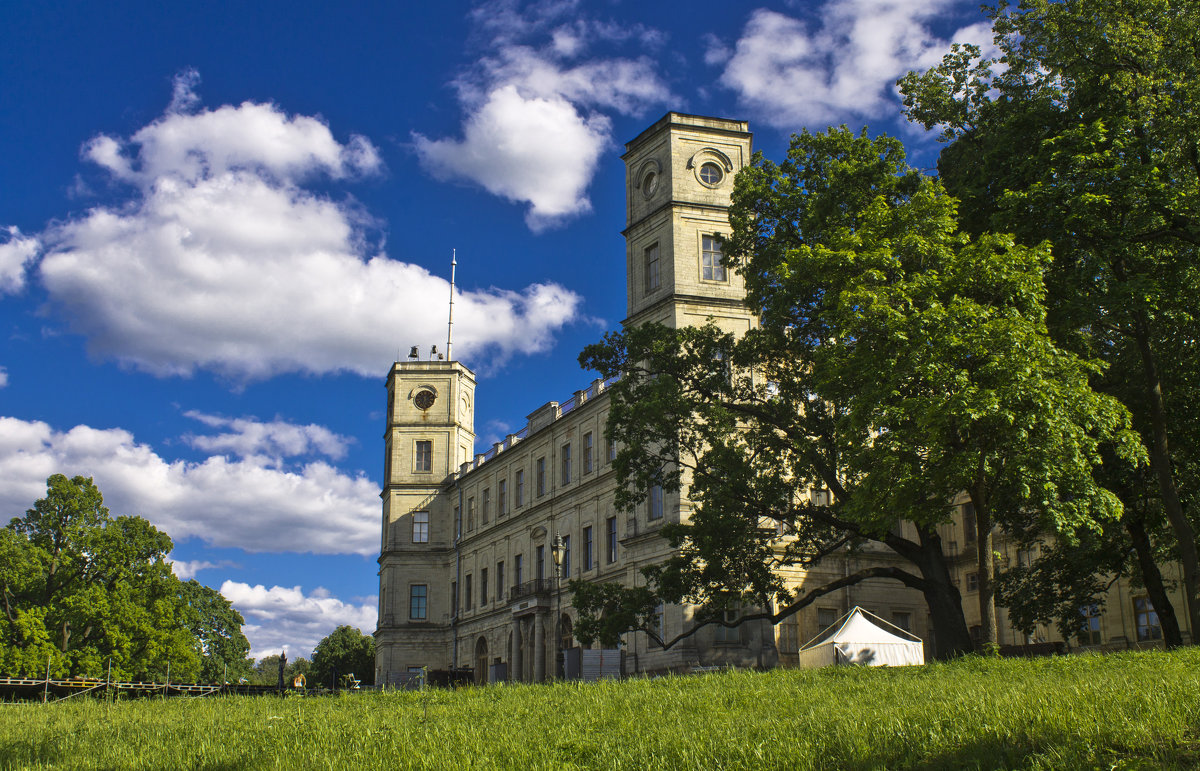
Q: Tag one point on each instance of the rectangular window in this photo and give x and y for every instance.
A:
(518, 569)
(729, 635)
(500, 581)
(483, 587)
(1089, 627)
(423, 459)
(501, 498)
(611, 526)
(540, 477)
(457, 522)
(651, 268)
(1148, 627)
(972, 582)
(470, 514)
(454, 597)
(520, 489)
(968, 517)
(566, 464)
(470, 598)
(566, 557)
(587, 548)
(612, 450)
(540, 562)
(655, 502)
(587, 453)
(485, 508)
(418, 597)
(825, 618)
(710, 259)
(420, 532)
(902, 619)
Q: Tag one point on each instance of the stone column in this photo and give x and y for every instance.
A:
(539, 648)
(518, 670)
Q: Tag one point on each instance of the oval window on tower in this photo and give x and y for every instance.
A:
(711, 174)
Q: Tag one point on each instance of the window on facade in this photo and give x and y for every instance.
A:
(902, 619)
(968, 517)
(518, 569)
(454, 597)
(1089, 626)
(825, 618)
(520, 493)
(587, 548)
(711, 174)
(470, 598)
(485, 507)
(1148, 627)
(540, 476)
(470, 514)
(611, 525)
(457, 522)
(729, 635)
(423, 459)
(501, 498)
(539, 562)
(566, 464)
(566, 557)
(651, 276)
(711, 268)
(587, 453)
(789, 635)
(420, 532)
(500, 581)
(418, 597)
(655, 502)
(612, 450)
(972, 582)
(483, 587)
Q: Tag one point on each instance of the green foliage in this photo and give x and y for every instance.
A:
(82, 588)
(346, 650)
(1137, 710)
(606, 611)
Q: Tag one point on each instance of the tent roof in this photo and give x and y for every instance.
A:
(861, 626)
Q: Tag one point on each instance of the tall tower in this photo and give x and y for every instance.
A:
(430, 433)
(678, 180)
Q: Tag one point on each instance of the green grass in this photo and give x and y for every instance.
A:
(1137, 710)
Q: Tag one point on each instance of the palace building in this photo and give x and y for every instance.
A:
(466, 568)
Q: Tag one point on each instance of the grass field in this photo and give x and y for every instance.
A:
(1137, 710)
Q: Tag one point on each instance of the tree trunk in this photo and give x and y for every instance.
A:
(1160, 462)
(986, 565)
(950, 635)
(1152, 579)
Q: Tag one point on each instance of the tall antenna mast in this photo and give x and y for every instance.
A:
(450, 323)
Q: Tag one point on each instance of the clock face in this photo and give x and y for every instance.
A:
(424, 399)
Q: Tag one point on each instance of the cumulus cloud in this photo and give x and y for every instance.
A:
(286, 618)
(252, 503)
(222, 259)
(792, 73)
(16, 254)
(536, 103)
(249, 437)
(186, 569)
(3, 377)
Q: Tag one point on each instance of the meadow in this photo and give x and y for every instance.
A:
(1132, 710)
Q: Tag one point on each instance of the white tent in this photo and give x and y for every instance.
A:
(860, 637)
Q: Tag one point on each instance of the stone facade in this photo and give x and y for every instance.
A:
(465, 566)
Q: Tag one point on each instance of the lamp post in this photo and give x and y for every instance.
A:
(556, 553)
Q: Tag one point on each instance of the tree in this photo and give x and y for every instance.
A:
(83, 588)
(216, 629)
(897, 363)
(346, 650)
(1084, 135)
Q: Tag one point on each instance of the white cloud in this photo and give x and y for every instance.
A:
(277, 439)
(536, 123)
(222, 260)
(16, 254)
(282, 617)
(3, 377)
(185, 569)
(793, 74)
(251, 504)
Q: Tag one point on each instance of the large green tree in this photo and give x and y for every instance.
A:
(1086, 135)
(83, 589)
(897, 362)
(346, 651)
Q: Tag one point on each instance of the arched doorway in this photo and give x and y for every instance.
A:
(481, 661)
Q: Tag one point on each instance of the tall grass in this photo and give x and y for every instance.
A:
(1137, 710)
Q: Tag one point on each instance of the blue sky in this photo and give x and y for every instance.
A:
(221, 222)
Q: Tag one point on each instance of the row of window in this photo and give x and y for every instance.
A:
(711, 268)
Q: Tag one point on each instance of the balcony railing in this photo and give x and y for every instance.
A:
(531, 588)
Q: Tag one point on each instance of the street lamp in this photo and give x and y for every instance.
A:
(556, 553)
